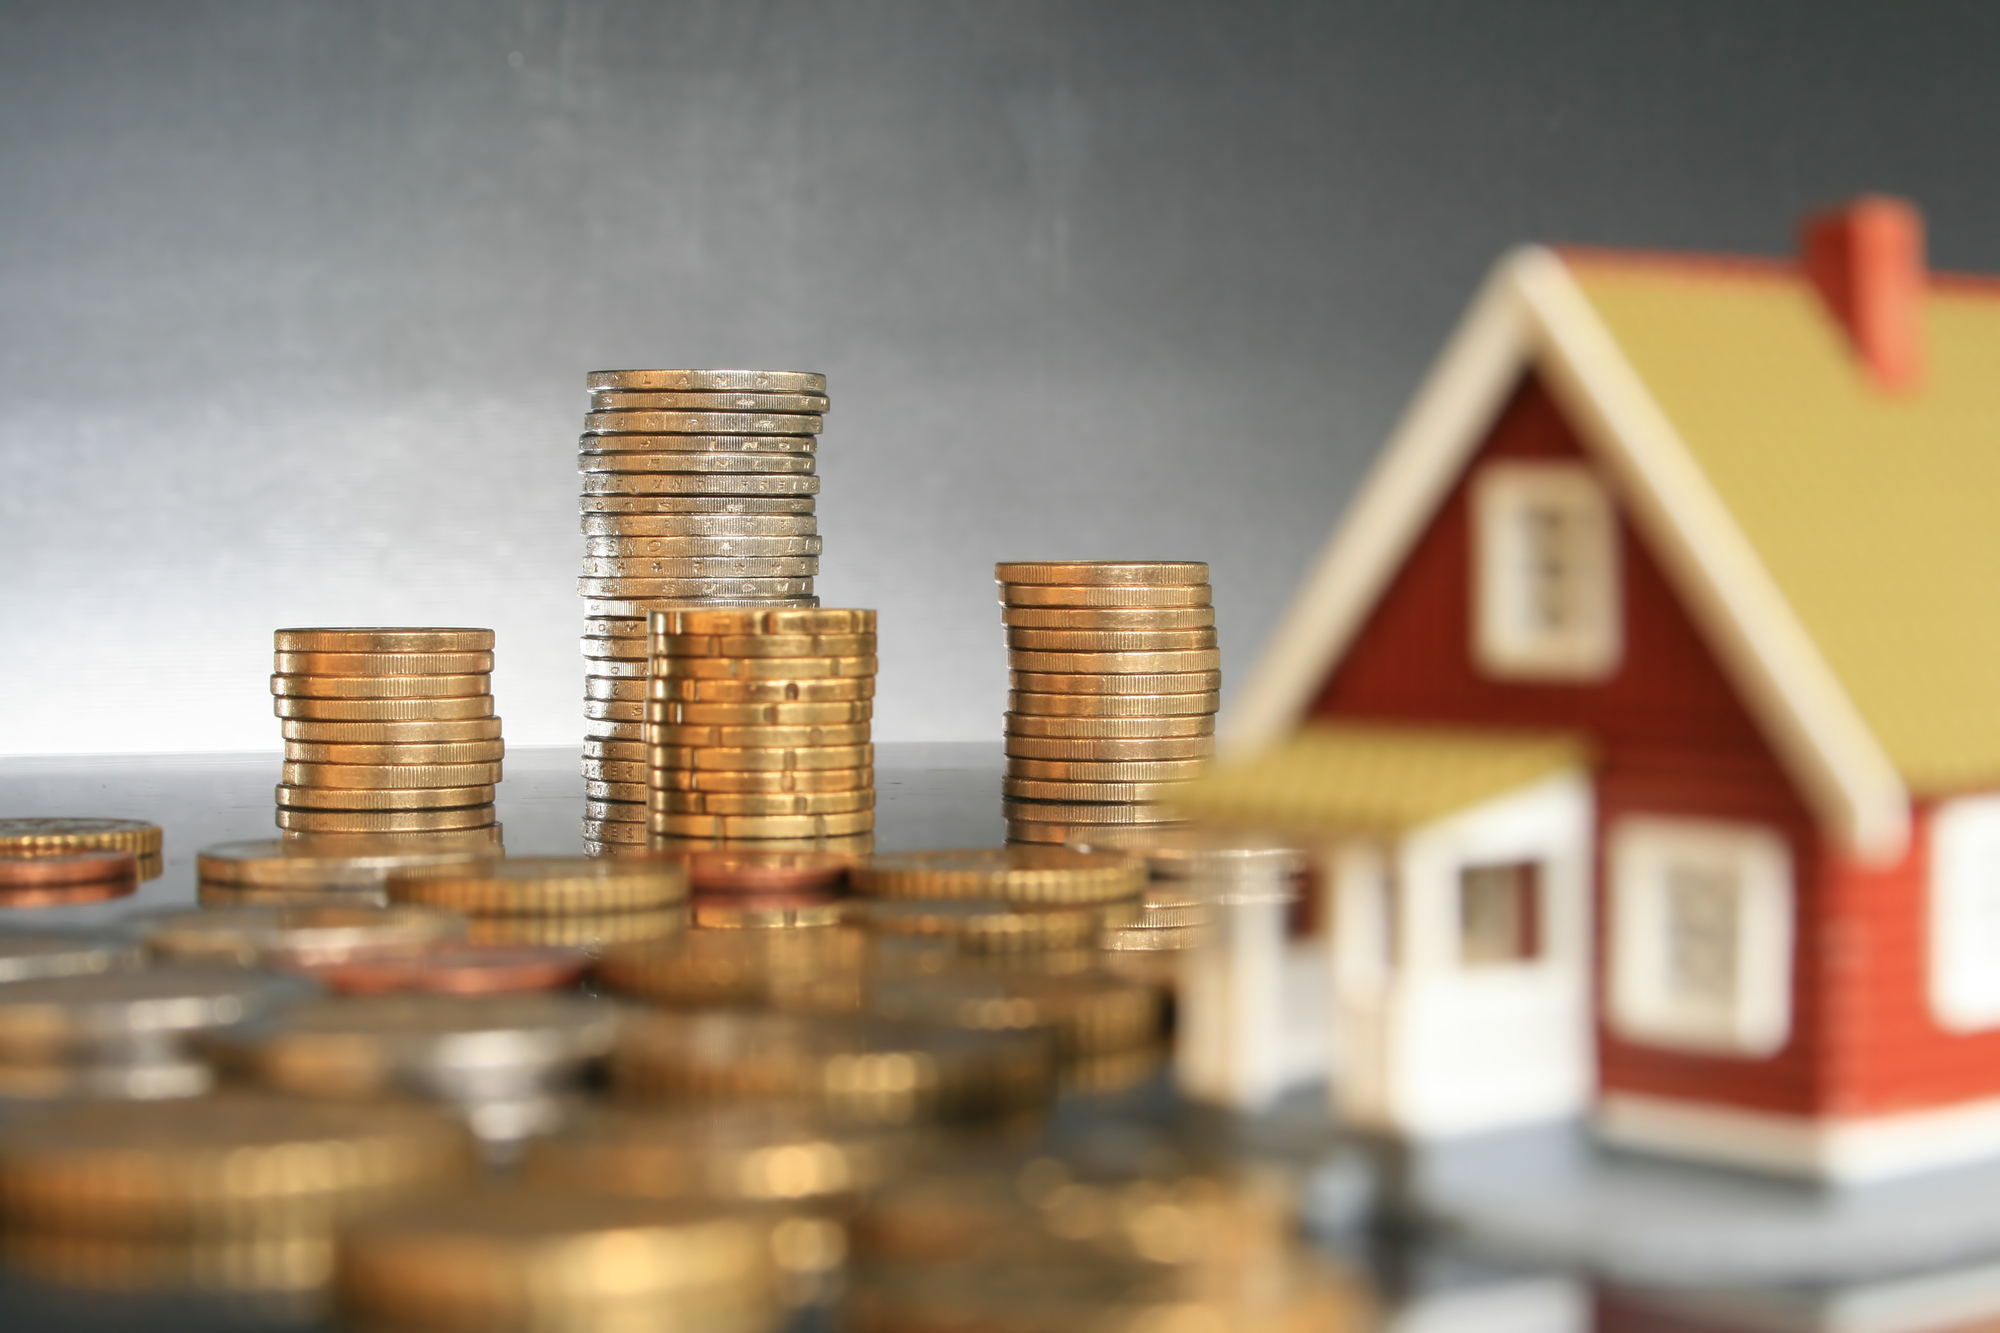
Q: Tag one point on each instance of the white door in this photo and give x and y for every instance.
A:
(1461, 970)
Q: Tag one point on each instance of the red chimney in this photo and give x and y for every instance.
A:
(1867, 260)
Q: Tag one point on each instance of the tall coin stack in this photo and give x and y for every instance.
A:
(758, 728)
(1114, 679)
(386, 730)
(698, 490)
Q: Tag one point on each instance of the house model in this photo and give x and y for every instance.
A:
(1648, 701)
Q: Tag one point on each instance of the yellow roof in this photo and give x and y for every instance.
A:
(1355, 777)
(1878, 516)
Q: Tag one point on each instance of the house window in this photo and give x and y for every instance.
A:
(1701, 935)
(1499, 914)
(1965, 914)
(1545, 576)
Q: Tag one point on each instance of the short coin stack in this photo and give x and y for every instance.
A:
(698, 489)
(757, 728)
(1114, 679)
(386, 730)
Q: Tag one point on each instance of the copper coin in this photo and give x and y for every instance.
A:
(768, 872)
(35, 872)
(459, 969)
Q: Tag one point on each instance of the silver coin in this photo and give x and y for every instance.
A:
(634, 587)
(613, 729)
(700, 444)
(678, 400)
(700, 567)
(722, 527)
(702, 423)
(641, 606)
(696, 483)
(703, 506)
(710, 381)
(675, 464)
(687, 548)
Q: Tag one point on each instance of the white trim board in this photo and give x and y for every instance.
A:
(1842, 1150)
(1532, 314)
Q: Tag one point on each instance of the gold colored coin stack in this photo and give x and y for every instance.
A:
(698, 490)
(1114, 684)
(386, 730)
(757, 728)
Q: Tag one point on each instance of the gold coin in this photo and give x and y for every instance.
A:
(1104, 598)
(676, 712)
(696, 503)
(626, 795)
(698, 444)
(657, 548)
(393, 733)
(1062, 812)
(396, 752)
(1106, 770)
(364, 798)
(381, 687)
(1158, 618)
(545, 1259)
(756, 621)
(765, 780)
(761, 826)
(680, 734)
(1103, 573)
(1110, 641)
(665, 801)
(472, 707)
(733, 912)
(622, 588)
(383, 821)
(1122, 664)
(592, 932)
(702, 423)
(765, 668)
(669, 400)
(1008, 874)
(717, 567)
(606, 729)
(692, 460)
(761, 645)
(328, 863)
(1031, 724)
(1036, 789)
(615, 770)
(851, 847)
(752, 759)
(711, 381)
(378, 776)
(382, 664)
(221, 1166)
(1022, 703)
(1109, 748)
(1087, 682)
(383, 640)
(987, 925)
(544, 885)
(825, 689)
(32, 835)
(636, 527)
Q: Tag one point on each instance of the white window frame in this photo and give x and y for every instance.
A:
(1640, 1006)
(1963, 971)
(1505, 642)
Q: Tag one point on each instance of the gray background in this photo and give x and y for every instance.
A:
(296, 299)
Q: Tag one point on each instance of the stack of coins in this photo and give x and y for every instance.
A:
(577, 902)
(757, 729)
(698, 489)
(1114, 676)
(386, 730)
(41, 837)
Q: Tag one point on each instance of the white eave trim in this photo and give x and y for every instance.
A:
(1532, 311)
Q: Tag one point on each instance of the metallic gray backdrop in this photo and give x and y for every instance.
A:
(296, 299)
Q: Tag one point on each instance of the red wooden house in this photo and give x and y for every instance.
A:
(1697, 562)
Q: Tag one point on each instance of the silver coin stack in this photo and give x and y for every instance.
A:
(698, 490)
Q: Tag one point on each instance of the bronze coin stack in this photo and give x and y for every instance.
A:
(386, 730)
(1114, 679)
(757, 730)
(698, 490)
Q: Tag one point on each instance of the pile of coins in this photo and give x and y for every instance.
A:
(698, 489)
(386, 730)
(575, 902)
(1114, 678)
(57, 860)
(757, 728)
